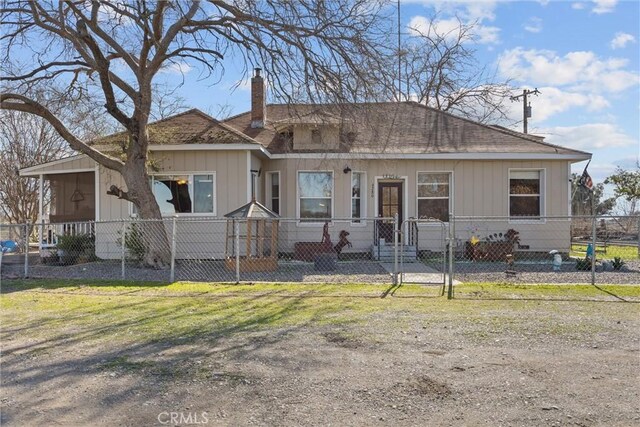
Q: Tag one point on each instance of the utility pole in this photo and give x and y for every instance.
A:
(526, 111)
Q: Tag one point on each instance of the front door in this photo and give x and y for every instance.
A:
(389, 204)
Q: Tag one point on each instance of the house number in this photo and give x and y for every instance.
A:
(390, 176)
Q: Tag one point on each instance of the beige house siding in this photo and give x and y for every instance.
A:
(256, 165)
(329, 137)
(77, 163)
(480, 188)
(230, 168)
(196, 239)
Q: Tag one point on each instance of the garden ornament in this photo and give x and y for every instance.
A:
(557, 260)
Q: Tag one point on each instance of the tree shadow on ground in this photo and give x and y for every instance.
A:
(74, 347)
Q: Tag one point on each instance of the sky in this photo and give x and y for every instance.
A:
(583, 56)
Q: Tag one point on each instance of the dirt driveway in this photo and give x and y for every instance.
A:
(92, 358)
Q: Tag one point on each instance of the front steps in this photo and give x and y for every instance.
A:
(386, 253)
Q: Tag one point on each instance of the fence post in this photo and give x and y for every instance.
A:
(396, 232)
(26, 250)
(236, 231)
(593, 245)
(638, 231)
(123, 254)
(41, 236)
(173, 249)
(451, 241)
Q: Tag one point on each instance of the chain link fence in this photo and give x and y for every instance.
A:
(604, 249)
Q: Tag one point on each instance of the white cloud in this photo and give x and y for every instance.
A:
(533, 25)
(581, 70)
(554, 101)
(449, 14)
(468, 9)
(587, 137)
(577, 5)
(621, 39)
(604, 6)
(176, 68)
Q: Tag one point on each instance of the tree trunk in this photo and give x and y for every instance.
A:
(152, 227)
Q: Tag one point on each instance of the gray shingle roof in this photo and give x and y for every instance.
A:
(190, 127)
(397, 128)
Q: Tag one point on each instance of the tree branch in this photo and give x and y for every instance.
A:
(27, 105)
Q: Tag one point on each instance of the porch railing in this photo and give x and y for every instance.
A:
(48, 233)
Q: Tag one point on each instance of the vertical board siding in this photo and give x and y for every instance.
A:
(480, 188)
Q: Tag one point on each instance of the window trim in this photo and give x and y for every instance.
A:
(543, 198)
(451, 190)
(363, 199)
(191, 194)
(269, 195)
(300, 223)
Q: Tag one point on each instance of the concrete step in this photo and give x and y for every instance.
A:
(387, 253)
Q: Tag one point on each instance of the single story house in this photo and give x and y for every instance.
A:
(312, 163)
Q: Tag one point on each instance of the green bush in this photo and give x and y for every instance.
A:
(583, 264)
(73, 248)
(134, 242)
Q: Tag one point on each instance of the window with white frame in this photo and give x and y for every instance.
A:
(273, 188)
(525, 193)
(434, 192)
(358, 186)
(193, 193)
(315, 195)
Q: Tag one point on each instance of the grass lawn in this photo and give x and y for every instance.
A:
(611, 251)
(112, 310)
(129, 353)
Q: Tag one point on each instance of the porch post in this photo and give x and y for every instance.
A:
(40, 211)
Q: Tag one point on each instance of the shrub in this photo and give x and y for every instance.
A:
(73, 248)
(583, 264)
(617, 263)
(134, 242)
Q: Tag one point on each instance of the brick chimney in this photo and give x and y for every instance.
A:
(258, 108)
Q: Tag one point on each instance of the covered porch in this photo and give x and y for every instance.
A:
(68, 199)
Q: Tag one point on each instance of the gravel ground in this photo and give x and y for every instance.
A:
(345, 272)
(569, 364)
(543, 273)
(211, 271)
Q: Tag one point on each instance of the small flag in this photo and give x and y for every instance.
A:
(585, 180)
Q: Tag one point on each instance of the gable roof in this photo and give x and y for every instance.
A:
(396, 128)
(189, 127)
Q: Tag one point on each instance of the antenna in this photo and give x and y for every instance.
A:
(526, 110)
(399, 58)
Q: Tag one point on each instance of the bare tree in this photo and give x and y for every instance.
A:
(112, 51)
(25, 140)
(439, 69)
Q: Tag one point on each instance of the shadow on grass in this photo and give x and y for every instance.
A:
(519, 293)
(157, 341)
(17, 285)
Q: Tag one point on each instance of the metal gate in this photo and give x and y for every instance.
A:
(423, 252)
